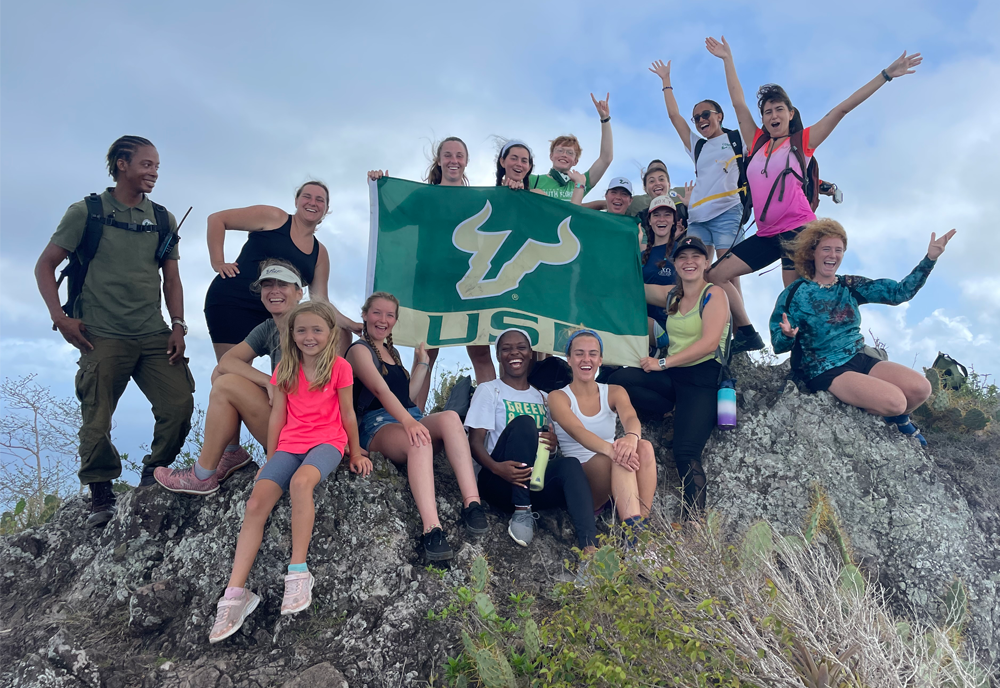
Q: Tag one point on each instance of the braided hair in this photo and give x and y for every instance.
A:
(386, 296)
(123, 149)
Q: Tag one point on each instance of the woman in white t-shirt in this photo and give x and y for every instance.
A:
(715, 210)
(505, 422)
(583, 414)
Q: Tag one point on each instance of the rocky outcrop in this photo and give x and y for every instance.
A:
(132, 605)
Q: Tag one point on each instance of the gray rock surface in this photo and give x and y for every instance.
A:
(132, 605)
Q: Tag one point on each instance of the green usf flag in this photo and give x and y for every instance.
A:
(467, 263)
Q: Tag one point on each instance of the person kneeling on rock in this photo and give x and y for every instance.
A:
(503, 422)
(312, 419)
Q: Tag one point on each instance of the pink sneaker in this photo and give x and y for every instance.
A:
(185, 481)
(231, 614)
(298, 592)
(232, 462)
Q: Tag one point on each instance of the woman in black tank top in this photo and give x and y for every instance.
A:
(231, 309)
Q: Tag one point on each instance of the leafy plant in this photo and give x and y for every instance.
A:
(969, 408)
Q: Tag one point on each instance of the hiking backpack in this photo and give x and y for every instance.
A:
(736, 141)
(810, 182)
(79, 260)
(952, 373)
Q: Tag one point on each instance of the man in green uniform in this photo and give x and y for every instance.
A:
(564, 152)
(115, 320)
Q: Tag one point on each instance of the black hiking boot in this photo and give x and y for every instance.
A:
(435, 546)
(475, 519)
(147, 479)
(102, 504)
(746, 342)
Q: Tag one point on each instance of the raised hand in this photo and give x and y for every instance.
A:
(420, 354)
(685, 198)
(904, 65)
(603, 109)
(375, 175)
(720, 50)
(937, 245)
(786, 327)
(661, 70)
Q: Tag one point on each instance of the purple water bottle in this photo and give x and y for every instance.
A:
(727, 405)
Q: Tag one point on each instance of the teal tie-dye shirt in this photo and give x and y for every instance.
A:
(828, 318)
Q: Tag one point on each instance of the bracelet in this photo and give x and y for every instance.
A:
(579, 186)
(424, 363)
(666, 87)
(885, 75)
(606, 119)
(634, 433)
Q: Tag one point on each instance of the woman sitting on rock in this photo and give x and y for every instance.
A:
(817, 318)
(240, 392)
(584, 413)
(504, 421)
(698, 327)
(392, 425)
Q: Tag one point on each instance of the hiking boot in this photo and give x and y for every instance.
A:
(475, 519)
(146, 479)
(184, 480)
(298, 592)
(435, 546)
(522, 527)
(102, 504)
(744, 342)
(231, 462)
(231, 614)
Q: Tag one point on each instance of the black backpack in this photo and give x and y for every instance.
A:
(736, 141)
(810, 181)
(79, 260)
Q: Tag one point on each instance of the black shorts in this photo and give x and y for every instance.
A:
(861, 363)
(232, 324)
(758, 252)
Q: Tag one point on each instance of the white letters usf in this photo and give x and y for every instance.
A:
(484, 247)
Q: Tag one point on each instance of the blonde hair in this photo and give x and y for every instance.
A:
(804, 245)
(287, 373)
(566, 140)
(388, 339)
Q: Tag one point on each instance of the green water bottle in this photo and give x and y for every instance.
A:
(537, 482)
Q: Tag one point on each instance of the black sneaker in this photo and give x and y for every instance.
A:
(147, 479)
(435, 546)
(744, 342)
(102, 504)
(475, 519)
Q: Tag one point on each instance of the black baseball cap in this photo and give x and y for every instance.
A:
(690, 242)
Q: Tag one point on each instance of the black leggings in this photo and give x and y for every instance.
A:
(652, 394)
(566, 485)
(696, 390)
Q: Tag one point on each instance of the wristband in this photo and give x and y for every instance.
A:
(424, 363)
(666, 87)
(606, 119)
(579, 186)
(634, 433)
(885, 75)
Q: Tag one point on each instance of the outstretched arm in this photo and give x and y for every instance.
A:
(673, 112)
(903, 65)
(893, 293)
(748, 127)
(603, 161)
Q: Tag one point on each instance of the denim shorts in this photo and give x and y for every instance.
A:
(720, 231)
(373, 421)
(282, 465)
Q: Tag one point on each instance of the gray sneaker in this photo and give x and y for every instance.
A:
(522, 527)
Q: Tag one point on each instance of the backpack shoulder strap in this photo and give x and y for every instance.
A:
(371, 351)
(699, 144)
(94, 229)
(722, 352)
(363, 397)
(791, 293)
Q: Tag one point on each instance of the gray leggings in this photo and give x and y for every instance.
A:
(282, 466)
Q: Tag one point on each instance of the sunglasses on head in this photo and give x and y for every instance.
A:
(704, 114)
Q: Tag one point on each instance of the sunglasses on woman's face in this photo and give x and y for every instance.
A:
(704, 114)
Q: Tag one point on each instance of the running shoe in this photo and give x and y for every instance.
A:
(231, 462)
(522, 526)
(743, 342)
(184, 480)
(298, 592)
(231, 614)
(475, 519)
(102, 504)
(435, 546)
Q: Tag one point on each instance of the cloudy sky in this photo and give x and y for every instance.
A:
(245, 101)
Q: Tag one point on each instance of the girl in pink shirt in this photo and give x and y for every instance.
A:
(775, 173)
(312, 422)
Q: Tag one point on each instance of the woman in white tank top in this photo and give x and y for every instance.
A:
(583, 417)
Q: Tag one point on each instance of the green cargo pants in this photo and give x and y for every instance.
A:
(103, 376)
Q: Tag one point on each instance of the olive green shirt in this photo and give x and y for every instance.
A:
(121, 295)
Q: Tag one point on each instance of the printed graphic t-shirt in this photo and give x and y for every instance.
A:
(654, 273)
(718, 184)
(791, 212)
(496, 403)
(313, 417)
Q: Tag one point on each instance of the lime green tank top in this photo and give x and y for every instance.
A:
(685, 329)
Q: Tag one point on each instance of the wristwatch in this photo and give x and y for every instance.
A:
(180, 321)
(663, 363)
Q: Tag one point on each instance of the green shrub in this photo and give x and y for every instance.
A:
(969, 408)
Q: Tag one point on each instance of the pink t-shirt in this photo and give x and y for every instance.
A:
(313, 417)
(794, 210)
